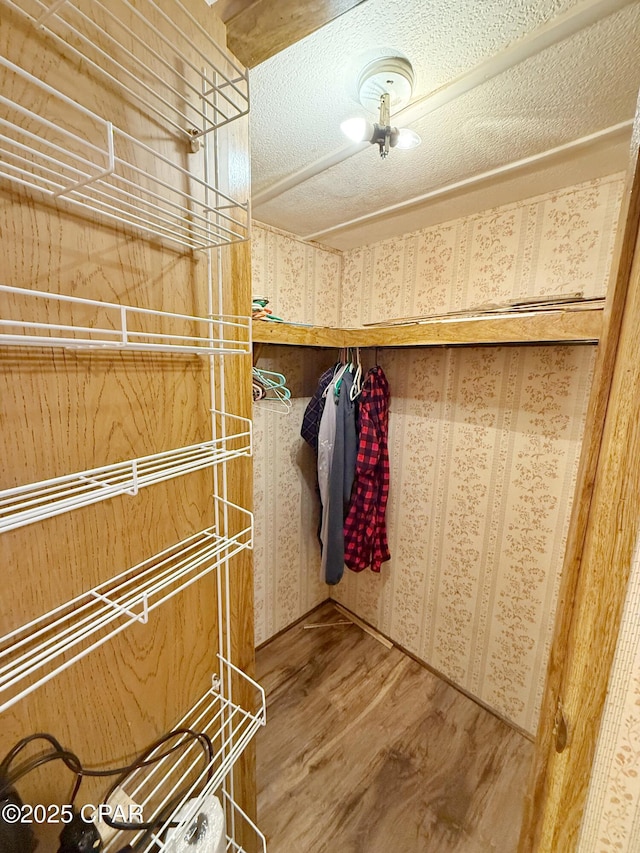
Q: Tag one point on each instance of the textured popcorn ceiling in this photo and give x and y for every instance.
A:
(579, 82)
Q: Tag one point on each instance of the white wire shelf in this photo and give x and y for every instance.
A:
(190, 88)
(108, 173)
(186, 776)
(73, 322)
(38, 651)
(34, 502)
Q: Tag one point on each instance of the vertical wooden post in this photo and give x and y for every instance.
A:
(604, 526)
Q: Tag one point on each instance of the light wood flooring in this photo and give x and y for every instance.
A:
(366, 751)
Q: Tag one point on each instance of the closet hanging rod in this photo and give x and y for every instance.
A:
(157, 66)
(230, 729)
(219, 334)
(39, 650)
(34, 502)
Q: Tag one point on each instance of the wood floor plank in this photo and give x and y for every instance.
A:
(366, 751)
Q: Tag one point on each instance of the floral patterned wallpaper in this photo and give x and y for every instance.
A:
(484, 445)
(557, 243)
(286, 556)
(484, 441)
(303, 284)
(301, 280)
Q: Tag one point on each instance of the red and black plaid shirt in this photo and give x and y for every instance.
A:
(365, 534)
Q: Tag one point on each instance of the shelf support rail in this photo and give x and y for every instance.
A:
(132, 492)
(47, 642)
(233, 331)
(143, 617)
(34, 502)
(109, 170)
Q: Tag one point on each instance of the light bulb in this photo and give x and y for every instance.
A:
(407, 138)
(357, 129)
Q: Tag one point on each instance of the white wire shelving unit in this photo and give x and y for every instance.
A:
(188, 775)
(74, 322)
(39, 650)
(90, 164)
(162, 184)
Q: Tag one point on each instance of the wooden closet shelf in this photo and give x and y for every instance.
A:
(545, 327)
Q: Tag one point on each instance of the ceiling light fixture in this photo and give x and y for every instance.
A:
(383, 85)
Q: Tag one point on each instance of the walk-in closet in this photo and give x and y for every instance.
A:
(221, 630)
(492, 302)
(488, 419)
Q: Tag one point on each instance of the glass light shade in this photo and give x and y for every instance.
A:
(407, 138)
(357, 129)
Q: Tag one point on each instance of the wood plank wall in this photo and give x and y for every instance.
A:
(65, 411)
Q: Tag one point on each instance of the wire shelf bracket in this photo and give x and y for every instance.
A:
(33, 654)
(27, 504)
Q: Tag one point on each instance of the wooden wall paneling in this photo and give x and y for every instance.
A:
(597, 557)
(257, 30)
(64, 411)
